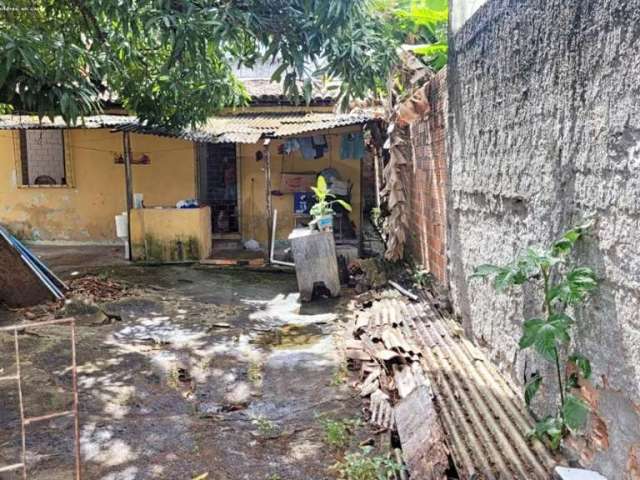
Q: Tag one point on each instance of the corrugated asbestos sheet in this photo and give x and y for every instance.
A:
(14, 122)
(251, 127)
(242, 128)
(483, 418)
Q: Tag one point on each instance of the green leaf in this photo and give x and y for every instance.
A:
(574, 412)
(568, 240)
(485, 270)
(344, 205)
(321, 185)
(583, 364)
(545, 335)
(549, 429)
(575, 287)
(530, 330)
(532, 387)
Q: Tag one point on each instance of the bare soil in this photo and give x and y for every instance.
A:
(202, 371)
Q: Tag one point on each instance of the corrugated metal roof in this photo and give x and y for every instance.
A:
(14, 122)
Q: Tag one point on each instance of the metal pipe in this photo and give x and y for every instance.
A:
(273, 244)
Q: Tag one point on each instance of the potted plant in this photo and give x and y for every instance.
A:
(322, 212)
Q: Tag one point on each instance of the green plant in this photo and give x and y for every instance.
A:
(340, 375)
(338, 433)
(564, 286)
(420, 276)
(363, 466)
(266, 428)
(254, 373)
(324, 206)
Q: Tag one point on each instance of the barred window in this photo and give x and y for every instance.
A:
(42, 157)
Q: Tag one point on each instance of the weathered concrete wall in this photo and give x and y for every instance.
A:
(84, 209)
(545, 130)
(170, 234)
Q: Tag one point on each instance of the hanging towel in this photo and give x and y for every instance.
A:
(352, 146)
(307, 148)
(320, 145)
(291, 145)
(358, 146)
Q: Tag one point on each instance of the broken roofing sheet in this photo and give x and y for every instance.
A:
(24, 279)
(410, 356)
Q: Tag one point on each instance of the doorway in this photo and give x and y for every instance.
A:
(218, 186)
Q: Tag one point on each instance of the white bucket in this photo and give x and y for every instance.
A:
(122, 225)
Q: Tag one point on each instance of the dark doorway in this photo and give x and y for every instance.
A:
(218, 172)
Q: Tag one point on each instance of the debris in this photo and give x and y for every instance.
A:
(403, 291)
(565, 473)
(381, 411)
(219, 325)
(416, 352)
(423, 445)
(96, 289)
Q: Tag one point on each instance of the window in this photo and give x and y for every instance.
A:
(42, 157)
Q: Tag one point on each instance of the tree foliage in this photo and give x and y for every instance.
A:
(170, 61)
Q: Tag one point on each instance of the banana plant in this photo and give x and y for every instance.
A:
(563, 285)
(324, 206)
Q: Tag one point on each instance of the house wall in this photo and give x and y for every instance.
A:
(252, 184)
(170, 234)
(545, 130)
(426, 240)
(85, 210)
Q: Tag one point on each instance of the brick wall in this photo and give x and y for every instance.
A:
(427, 234)
(45, 153)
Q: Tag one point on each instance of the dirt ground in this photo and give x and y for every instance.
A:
(195, 371)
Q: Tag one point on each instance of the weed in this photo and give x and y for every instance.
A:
(254, 373)
(364, 466)
(338, 433)
(266, 428)
(340, 375)
(172, 378)
(563, 286)
(421, 277)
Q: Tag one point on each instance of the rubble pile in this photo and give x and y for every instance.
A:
(392, 381)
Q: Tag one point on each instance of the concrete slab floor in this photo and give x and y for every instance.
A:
(208, 371)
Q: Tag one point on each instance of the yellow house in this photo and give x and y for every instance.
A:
(61, 183)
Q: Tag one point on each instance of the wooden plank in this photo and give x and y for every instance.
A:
(423, 442)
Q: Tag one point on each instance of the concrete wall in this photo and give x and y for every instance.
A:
(252, 190)
(545, 130)
(170, 234)
(84, 210)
